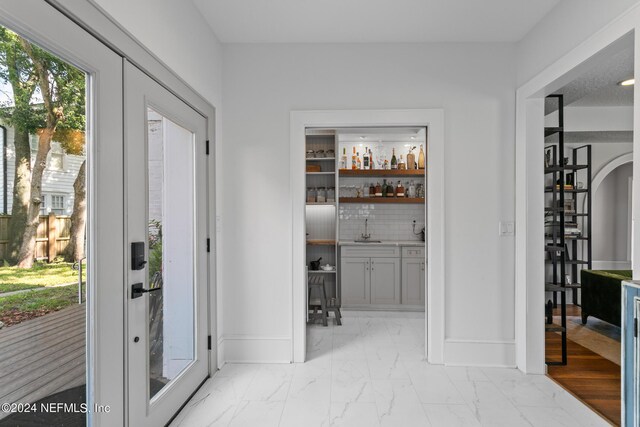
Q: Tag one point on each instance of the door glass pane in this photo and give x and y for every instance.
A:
(171, 249)
(43, 212)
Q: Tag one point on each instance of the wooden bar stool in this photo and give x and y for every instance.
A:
(316, 283)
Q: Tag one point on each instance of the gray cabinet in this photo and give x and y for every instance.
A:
(370, 276)
(355, 279)
(385, 281)
(383, 276)
(630, 354)
(413, 275)
(413, 281)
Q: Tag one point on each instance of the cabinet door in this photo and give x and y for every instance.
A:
(354, 279)
(413, 280)
(385, 281)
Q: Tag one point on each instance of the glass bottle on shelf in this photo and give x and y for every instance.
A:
(321, 196)
(390, 190)
(354, 163)
(421, 158)
(378, 191)
(331, 195)
(401, 164)
(365, 159)
(394, 161)
(371, 164)
(343, 159)
(372, 190)
(411, 190)
(411, 159)
(399, 190)
(358, 161)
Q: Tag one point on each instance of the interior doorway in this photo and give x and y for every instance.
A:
(587, 119)
(434, 292)
(366, 257)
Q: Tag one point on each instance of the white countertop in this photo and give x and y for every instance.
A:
(383, 243)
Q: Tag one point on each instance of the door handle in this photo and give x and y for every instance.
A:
(137, 290)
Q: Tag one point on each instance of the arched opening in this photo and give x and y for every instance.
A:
(611, 219)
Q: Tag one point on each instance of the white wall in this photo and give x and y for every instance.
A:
(563, 28)
(610, 216)
(178, 35)
(474, 84)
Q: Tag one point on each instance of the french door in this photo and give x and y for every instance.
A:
(166, 205)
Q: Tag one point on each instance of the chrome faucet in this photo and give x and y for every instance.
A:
(366, 235)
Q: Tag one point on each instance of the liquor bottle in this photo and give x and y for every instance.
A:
(411, 192)
(371, 164)
(411, 159)
(358, 162)
(394, 161)
(343, 160)
(372, 190)
(401, 164)
(390, 191)
(378, 191)
(399, 190)
(365, 159)
(354, 163)
(421, 158)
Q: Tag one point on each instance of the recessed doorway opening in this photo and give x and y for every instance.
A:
(366, 256)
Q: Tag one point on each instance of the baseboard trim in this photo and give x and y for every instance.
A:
(256, 349)
(490, 353)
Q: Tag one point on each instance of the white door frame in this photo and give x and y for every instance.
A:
(50, 29)
(433, 119)
(529, 262)
(98, 23)
(141, 94)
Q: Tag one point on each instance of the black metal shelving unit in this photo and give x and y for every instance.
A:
(567, 219)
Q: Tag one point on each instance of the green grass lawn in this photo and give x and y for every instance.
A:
(27, 305)
(41, 275)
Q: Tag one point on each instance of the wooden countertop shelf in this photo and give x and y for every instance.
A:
(321, 242)
(399, 200)
(382, 172)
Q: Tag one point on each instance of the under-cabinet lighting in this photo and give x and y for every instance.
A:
(629, 82)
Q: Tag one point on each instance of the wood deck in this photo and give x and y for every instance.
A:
(42, 356)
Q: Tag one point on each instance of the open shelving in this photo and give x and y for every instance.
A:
(321, 217)
(382, 173)
(408, 200)
(567, 219)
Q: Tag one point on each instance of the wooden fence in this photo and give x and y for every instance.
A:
(52, 236)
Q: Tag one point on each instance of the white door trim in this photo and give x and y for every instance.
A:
(433, 119)
(96, 21)
(45, 26)
(529, 182)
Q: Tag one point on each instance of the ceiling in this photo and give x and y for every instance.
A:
(598, 86)
(372, 21)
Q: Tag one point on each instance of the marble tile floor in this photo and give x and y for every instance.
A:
(371, 372)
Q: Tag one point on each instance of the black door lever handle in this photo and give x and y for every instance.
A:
(137, 290)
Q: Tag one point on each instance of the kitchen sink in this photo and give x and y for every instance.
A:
(368, 241)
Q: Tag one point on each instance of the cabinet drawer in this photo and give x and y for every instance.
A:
(413, 252)
(370, 251)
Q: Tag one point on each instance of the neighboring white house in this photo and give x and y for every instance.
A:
(57, 180)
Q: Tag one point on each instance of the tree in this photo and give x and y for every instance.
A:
(60, 114)
(16, 71)
(75, 248)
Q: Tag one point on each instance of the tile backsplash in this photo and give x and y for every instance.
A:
(386, 222)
